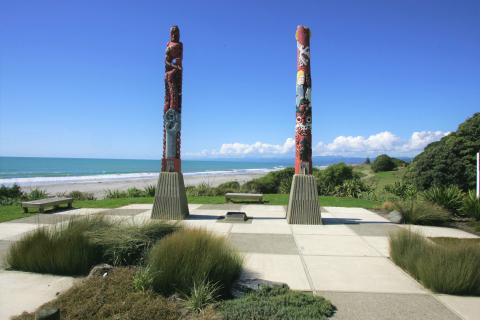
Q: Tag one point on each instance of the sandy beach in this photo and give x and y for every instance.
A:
(98, 188)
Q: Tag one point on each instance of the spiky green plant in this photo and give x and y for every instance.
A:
(471, 205)
(450, 198)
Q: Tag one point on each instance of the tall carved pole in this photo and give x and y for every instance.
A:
(170, 198)
(303, 128)
(173, 103)
(303, 204)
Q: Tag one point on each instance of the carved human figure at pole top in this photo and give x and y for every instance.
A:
(173, 102)
(303, 127)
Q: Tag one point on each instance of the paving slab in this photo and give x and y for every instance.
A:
(279, 268)
(218, 228)
(224, 206)
(381, 244)
(47, 218)
(265, 211)
(333, 245)
(81, 211)
(13, 230)
(264, 227)
(143, 206)
(338, 230)
(374, 229)
(122, 212)
(4, 246)
(387, 306)
(359, 274)
(467, 307)
(429, 231)
(24, 291)
(263, 243)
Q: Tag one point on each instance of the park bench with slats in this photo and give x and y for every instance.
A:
(46, 203)
(252, 197)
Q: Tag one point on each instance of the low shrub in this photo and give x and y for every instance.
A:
(63, 249)
(450, 198)
(115, 194)
(79, 195)
(332, 176)
(273, 182)
(278, 303)
(383, 163)
(192, 256)
(36, 194)
(402, 190)
(226, 187)
(353, 188)
(449, 267)
(113, 297)
(150, 190)
(13, 192)
(135, 193)
(127, 244)
(422, 212)
(471, 205)
(202, 189)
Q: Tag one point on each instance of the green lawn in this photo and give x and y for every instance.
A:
(379, 179)
(15, 211)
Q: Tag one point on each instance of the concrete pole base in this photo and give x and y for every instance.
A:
(170, 198)
(303, 204)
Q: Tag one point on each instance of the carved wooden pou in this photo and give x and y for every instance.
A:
(173, 103)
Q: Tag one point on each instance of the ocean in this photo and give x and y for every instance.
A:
(31, 170)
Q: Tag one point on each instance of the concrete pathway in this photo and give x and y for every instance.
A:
(346, 259)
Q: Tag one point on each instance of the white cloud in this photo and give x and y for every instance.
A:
(257, 148)
(382, 142)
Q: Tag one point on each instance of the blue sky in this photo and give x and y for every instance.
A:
(85, 78)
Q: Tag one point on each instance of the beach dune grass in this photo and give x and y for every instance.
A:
(446, 265)
(190, 257)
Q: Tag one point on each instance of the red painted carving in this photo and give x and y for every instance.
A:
(173, 103)
(303, 127)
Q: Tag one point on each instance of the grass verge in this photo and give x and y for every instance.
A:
(445, 265)
(12, 212)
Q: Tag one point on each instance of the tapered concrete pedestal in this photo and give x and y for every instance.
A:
(170, 199)
(303, 205)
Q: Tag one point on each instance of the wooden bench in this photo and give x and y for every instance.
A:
(254, 197)
(45, 203)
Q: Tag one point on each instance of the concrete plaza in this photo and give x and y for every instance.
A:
(345, 260)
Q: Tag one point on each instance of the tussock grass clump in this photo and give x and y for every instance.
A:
(75, 247)
(422, 212)
(277, 303)
(192, 256)
(63, 249)
(446, 266)
(150, 190)
(127, 244)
